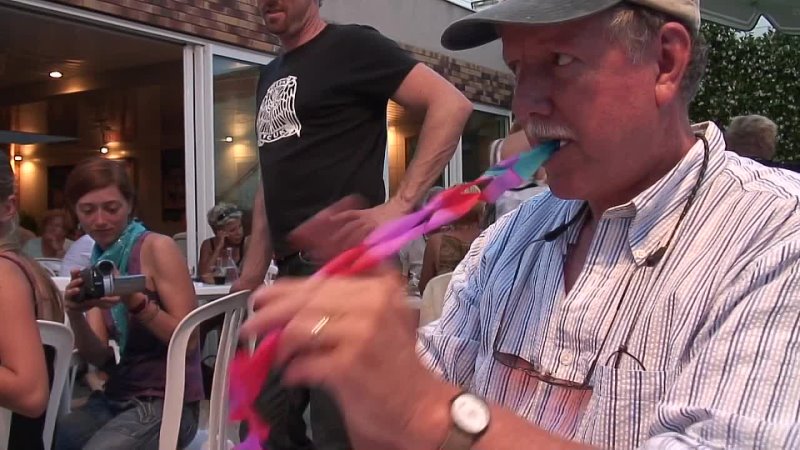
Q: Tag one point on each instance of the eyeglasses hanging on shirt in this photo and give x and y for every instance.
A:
(651, 261)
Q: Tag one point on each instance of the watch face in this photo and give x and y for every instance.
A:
(470, 413)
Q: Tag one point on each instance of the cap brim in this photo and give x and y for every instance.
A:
(481, 28)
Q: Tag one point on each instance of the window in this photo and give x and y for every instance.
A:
(236, 169)
(481, 130)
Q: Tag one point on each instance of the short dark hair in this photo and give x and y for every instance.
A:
(98, 173)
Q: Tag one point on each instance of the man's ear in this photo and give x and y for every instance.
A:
(8, 209)
(675, 52)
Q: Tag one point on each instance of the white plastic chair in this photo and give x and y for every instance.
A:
(234, 307)
(433, 298)
(180, 239)
(5, 427)
(51, 265)
(58, 336)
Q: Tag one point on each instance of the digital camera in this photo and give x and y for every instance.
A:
(99, 281)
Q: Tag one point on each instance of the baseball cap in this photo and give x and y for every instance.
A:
(480, 28)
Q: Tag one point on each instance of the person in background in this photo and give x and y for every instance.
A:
(753, 137)
(514, 144)
(23, 235)
(321, 148)
(446, 248)
(412, 255)
(225, 220)
(26, 294)
(53, 243)
(127, 414)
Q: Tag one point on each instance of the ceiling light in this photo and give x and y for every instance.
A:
(56, 74)
(228, 138)
(104, 149)
(17, 157)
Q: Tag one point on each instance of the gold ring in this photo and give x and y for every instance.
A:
(320, 325)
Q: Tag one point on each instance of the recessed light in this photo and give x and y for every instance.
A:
(56, 74)
(228, 138)
(17, 157)
(104, 149)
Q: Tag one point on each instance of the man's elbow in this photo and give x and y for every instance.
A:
(462, 108)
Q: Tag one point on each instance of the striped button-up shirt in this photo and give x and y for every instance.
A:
(714, 325)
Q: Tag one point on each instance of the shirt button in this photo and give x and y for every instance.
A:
(566, 358)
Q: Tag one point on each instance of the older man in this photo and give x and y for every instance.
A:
(651, 300)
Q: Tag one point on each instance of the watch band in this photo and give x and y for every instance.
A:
(457, 439)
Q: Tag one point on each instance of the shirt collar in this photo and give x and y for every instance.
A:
(656, 210)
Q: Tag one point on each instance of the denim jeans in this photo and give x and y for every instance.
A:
(284, 407)
(105, 424)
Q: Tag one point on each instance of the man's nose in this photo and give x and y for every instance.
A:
(532, 95)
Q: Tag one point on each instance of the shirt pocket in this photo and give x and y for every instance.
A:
(622, 406)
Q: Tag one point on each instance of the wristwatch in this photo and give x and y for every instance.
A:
(469, 416)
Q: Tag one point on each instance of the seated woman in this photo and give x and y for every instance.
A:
(448, 247)
(26, 294)
(127, 415)
(225, 220)
(54, 242)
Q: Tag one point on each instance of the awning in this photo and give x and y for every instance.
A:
(744, 14)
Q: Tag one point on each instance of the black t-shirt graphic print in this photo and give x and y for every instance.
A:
(321, 123)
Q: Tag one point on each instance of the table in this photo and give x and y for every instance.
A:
(209, 292)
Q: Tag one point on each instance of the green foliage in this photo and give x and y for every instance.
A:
(750, 74)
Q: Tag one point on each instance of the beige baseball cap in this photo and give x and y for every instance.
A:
(481, 28)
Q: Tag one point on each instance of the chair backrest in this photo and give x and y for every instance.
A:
(234, 307)
(60, 337)
(433, 298)
(51, 265)
(5, 427)
(180, 239)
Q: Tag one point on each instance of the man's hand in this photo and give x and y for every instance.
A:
(341, 226)
(243, 284)
(219, 239)
(350, 335)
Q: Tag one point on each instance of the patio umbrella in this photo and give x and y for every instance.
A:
(743, 14)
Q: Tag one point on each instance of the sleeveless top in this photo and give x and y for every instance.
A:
(26, 432)
(142, 370)
(451, 251)
(241, 250)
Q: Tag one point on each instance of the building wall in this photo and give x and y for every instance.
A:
(417, 24)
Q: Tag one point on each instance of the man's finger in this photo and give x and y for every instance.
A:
(309, 233)
(349, 235)
(278, 307)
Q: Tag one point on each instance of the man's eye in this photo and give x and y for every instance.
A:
(563, 59)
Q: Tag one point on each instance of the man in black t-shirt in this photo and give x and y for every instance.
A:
(321, 129)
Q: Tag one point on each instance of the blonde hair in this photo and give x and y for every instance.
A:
(474, 215)
(221, 214)
(46, 295)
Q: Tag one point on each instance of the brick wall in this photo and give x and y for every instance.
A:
(237, 22)
(478, 83)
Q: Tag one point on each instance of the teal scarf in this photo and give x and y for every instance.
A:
(119, 253)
